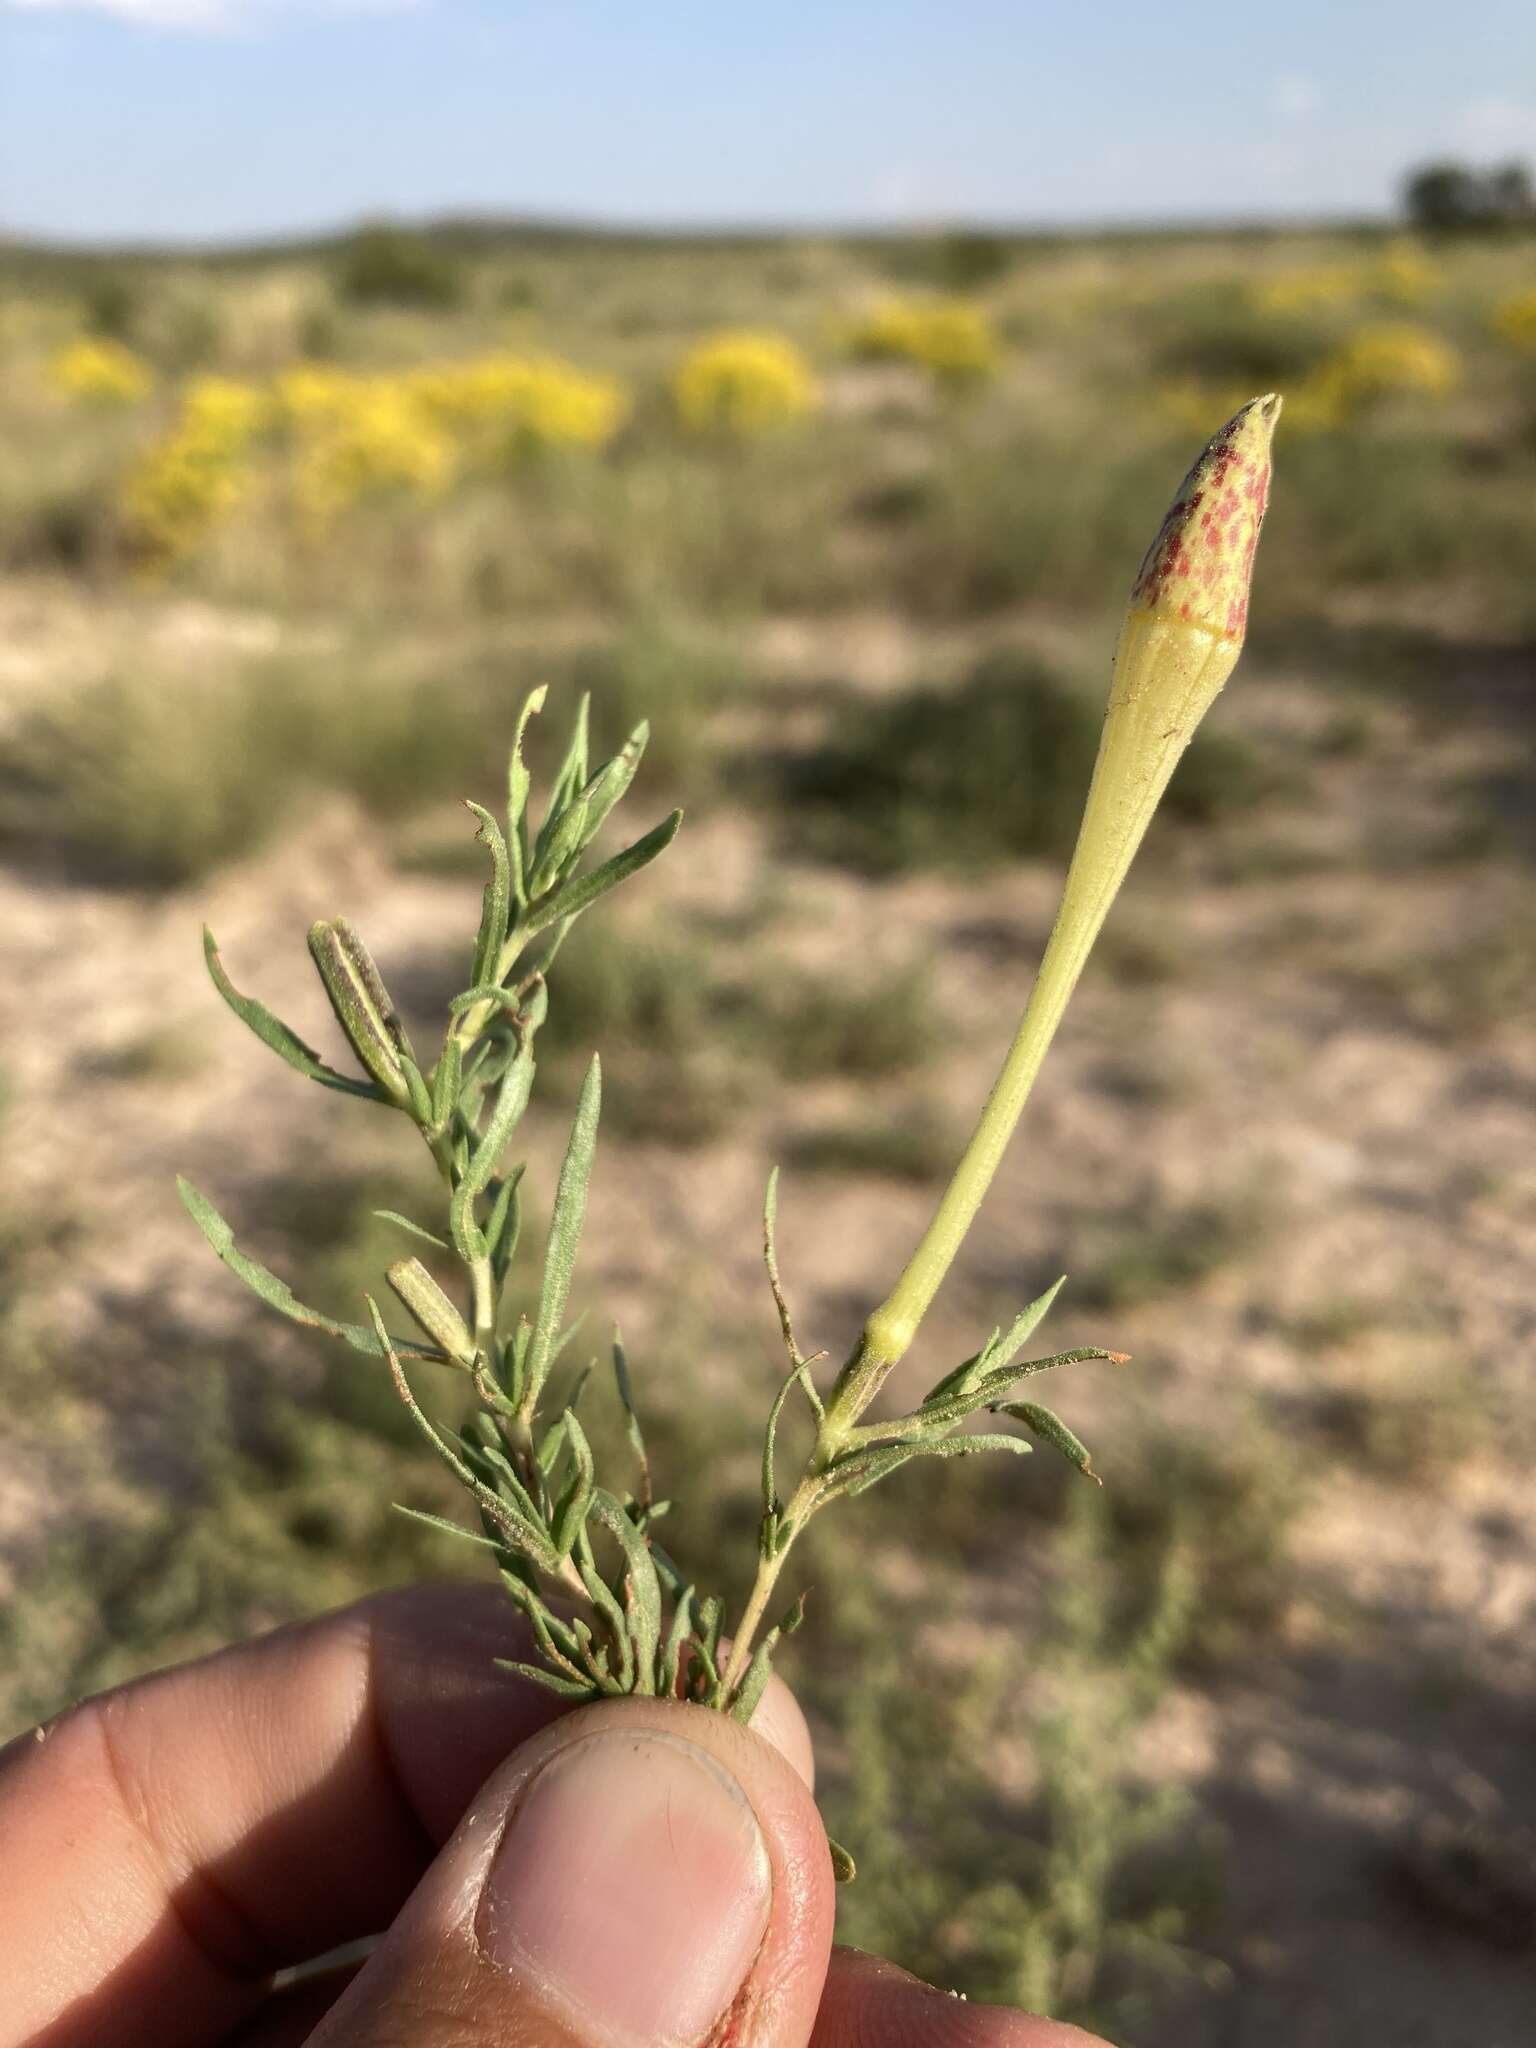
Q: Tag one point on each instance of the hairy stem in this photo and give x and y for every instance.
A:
(802, 1506)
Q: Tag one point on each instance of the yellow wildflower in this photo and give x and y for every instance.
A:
(503, 403)
(1514, 320)
(743, 382)
(1407, 274)
(194, 477)
(100, 373)
(1397, 357)
(1322, 287)
(374, 438)
(952, 338)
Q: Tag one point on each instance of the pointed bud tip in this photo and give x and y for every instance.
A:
(1199, 568)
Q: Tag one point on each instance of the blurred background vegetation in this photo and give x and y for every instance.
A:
(285, 533)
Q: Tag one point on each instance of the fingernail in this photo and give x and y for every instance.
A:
(631, 1889)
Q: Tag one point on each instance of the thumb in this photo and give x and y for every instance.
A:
(642, 1874)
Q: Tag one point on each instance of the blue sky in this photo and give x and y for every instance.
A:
(193, 118)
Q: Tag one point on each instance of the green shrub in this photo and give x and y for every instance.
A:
(915, 1145)
(685, 1040)
(1148, 1249)
(1216, 334)
(386, 265)
(995, 768)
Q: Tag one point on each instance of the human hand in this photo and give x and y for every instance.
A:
(641, 1874)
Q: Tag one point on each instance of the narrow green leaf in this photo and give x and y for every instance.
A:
(277, 1293)
(549, 1446)
(484, 1451)
(582, 891)
(496, 903)
(575, 1502)
(415, 1229)
(417, 1093)
(755, 1680)
(560, 834)
(632, 1427)
(565, 1231)
(611, 782)
(1027, 1322)
(770, 1436)
(558, 1642)
(447, 1084)
(711, 1616)
(793, 1617)
(1051, 1430)
(486, 992)
(704, 1670)
(274, 1033)
(801, 1366)
(844, 1869)
(999, 1350)
(603, 1600)
(672, 1648)
(519, 783)
(469, 1241)
(937, 1413)
(856, 1474)
(572, 772)
(447, 1528)
(515, 1357)
(518, 1532)
(567, 1688)
(642, 1589)
(505, 1223)
(561, 1639)
(559, 848)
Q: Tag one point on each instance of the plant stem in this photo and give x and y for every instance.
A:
(1166, 673)
(801, 1507)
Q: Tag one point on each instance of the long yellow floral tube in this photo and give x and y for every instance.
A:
(1180, 641)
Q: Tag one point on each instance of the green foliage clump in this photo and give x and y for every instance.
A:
(911, 1144)
(1219, 1512)
(389, 266)
(1160, 1247)
(148, 778)
(1226, 337)
(1084, 1890)
(991, 769)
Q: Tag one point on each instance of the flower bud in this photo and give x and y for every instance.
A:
(1200, 566)
(362, 1004)
(1180, 641)
(433, 1311)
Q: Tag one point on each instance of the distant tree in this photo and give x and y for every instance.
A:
(388, 265)
(111, 305)
(966, 259)
(1514, 192)
(1456, 198)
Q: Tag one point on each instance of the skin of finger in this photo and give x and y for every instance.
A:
(430, 1982)
(869, 2003)
(169, 1844)
(288, 2019)
(865, 2003)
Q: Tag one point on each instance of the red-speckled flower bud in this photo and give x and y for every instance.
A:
(1200, 566)
(1180, 642)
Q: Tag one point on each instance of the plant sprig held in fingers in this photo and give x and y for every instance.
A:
(610, 1612)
